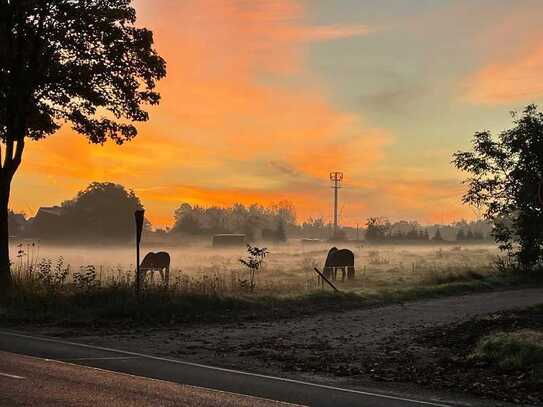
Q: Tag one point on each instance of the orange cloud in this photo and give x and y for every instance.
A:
(516, 80)
(242, 120)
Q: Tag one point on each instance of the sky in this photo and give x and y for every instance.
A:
(264, 98)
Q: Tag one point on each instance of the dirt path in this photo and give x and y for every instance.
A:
(338, 330)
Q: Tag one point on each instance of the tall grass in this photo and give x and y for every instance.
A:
(52, 291)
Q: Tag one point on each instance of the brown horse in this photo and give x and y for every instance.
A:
(343, 260)
(157, 262)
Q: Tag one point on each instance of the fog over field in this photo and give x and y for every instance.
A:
(288, 267)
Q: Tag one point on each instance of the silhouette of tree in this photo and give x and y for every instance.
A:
(65, 61)
(438, 237)
(377, 229)
(187, 219)
(314, 228)
(460, 235)
(273, 222)
(102, 211)
(504, 178)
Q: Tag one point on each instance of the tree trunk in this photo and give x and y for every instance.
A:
(5, 265)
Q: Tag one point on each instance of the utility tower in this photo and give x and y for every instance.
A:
(336, 178)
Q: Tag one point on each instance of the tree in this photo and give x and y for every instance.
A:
(313, 227)
(460, 235)
(102, 211)
(505, 175)
(438, 237)
(187, 219)
(78, 62)
(377, 229)
(426, 235)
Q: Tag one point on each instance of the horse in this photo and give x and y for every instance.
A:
(339, 259)
(156, 262)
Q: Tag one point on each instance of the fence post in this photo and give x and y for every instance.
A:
(325, 279)
(140, 216)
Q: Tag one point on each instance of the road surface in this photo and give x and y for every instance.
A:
(26, 381)
(68, 382)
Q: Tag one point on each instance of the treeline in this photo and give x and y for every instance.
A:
(104, 212)
(255, 221)
(382, 230)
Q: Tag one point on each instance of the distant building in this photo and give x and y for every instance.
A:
(47, 221)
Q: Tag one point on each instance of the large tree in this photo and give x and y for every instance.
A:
(80, 62)
(505, 179)
(103, 212)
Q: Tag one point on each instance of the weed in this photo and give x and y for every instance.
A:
(86, 279)
(253, 262)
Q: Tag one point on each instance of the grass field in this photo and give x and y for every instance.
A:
(86, 285)
(287, 269)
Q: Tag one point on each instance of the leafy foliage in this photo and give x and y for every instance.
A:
(86, 279)
(52, 276)
(71, 61)
(505, 174)
(82, 63)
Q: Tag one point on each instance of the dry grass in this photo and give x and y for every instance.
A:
(520, 350)
(288, 269)
(211, 288)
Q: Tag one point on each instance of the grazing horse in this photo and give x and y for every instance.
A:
(339, 259)
(157, 262)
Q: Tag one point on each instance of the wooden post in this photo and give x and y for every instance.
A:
(325, 279)
(140, 216)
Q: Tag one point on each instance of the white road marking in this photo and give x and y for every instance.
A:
(221, 369)
(106, 358)
(12, 376)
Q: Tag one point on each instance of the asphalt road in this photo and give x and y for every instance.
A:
(73, 381)
(26, 381)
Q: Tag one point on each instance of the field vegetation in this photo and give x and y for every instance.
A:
(211, 285)
(513, 351)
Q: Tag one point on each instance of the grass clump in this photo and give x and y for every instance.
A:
(519, 350)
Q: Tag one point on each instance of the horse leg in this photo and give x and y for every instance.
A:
(167, 276)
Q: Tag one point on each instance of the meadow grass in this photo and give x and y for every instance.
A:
(511, 351)
(51, 293)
